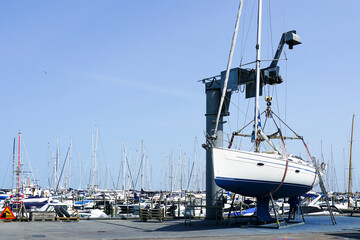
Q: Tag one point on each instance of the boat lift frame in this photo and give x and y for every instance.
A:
(214, 88)
(275, 223)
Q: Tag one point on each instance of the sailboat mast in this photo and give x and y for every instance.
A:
(49, 165)
(171, 171)
(257, 75)
(142, 165)
(95, 158)
(80, 177)
(352, 132)
(18, 173)
(344, 169)
(69, 173)
(13, 167)
(123, 167)
(148, 171)
(56, 165)
(181, 168)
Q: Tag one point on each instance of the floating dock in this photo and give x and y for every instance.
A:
(316, 227)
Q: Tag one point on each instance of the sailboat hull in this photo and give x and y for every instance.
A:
(257, 174)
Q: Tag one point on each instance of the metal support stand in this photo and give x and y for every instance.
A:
(323, 189)
(301, 212)
(278, 217)
(276, 213)
(231, 209)
(22, 213)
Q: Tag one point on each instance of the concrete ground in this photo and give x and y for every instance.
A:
(319, 227)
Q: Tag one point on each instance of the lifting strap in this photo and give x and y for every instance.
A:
(287, 161)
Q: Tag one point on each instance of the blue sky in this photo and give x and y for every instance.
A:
(131, 68)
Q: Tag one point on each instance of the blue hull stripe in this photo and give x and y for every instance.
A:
(256, 188)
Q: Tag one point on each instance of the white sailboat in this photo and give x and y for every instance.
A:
(259, 174)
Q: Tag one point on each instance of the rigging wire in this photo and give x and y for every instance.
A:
(237, 113)
(247, 33)
(28, 159)
(9, 162)
(106, 162)
(7, 168)
(271, 38)
(327, 177)
(238, 108)
(334, 177)
(229, 124)
(277, 105)
(62, 169)
(345, 164)
(82, 171)
(228, 117)
(271, 31)
(246, 116)
(121, 165)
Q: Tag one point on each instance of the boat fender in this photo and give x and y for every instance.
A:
(63, 211)
(58, 212)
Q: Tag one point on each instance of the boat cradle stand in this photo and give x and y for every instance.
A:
(265, 220)
(22, 213)
(279, 221)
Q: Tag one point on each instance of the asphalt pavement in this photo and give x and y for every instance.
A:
(319, 227)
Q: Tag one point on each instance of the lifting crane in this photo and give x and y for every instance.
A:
(213, 88)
